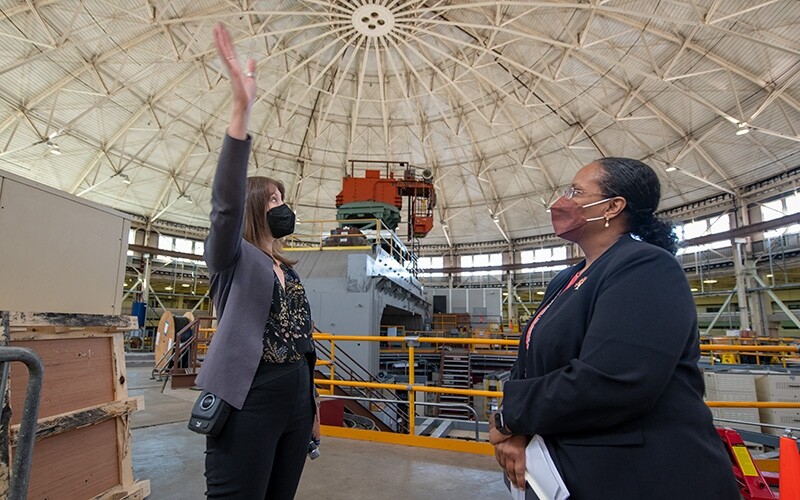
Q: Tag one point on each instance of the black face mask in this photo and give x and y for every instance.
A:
(281, 221)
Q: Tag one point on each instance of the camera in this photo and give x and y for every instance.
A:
(313, 449)
(209, 414)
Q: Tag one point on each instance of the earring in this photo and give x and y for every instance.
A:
(606, 224)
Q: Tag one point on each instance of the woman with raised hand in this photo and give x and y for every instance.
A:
(262, 357)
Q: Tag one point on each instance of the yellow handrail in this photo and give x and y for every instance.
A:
(753, 404)
(780, 352)
(480, 447)
(748, 348)
(426, 340)
(409, 387)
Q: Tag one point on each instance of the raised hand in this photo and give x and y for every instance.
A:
(243, 82)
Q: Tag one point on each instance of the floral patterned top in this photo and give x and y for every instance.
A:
(287, 334)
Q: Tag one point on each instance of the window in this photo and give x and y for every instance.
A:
(779, 208)
(481, 260)
(166, 242)
(177, 244)
(703, 227)
(542, 256)
(431, 263)
(131, 240)
(184, 245)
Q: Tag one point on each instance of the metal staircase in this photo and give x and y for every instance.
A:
(455, 372)
(391, 414)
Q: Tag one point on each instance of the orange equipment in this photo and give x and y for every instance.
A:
(381, 197)
(789, 486)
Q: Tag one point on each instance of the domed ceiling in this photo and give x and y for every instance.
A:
(124, 103)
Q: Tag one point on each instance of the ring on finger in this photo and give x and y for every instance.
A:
(250, 74)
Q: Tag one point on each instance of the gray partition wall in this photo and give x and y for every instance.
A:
(58, 252)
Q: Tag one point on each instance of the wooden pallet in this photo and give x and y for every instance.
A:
(83, 439)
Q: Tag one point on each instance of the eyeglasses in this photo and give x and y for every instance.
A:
(571, 192)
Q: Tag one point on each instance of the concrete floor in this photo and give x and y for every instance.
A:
(171, 457)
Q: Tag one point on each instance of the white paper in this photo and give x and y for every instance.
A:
(516, 493)
(541, 474)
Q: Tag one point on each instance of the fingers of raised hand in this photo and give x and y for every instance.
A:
(250, 69)
(225, 49)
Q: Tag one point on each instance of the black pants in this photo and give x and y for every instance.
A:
(262, 449)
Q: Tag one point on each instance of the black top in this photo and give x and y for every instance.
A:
(287, 334)
(611, 381)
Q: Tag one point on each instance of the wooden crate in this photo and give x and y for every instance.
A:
(83, 439)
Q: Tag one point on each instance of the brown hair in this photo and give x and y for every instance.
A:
(256, 227)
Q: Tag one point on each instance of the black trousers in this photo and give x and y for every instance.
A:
(262, 449)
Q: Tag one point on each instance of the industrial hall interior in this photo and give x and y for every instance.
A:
(508, 236)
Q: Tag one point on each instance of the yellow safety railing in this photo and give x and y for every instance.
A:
(321, 234)
(497, 342)
(412, 342)
(326, 235)
(781, 352)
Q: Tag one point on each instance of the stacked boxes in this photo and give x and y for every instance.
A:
(721, 386)
(781, 388)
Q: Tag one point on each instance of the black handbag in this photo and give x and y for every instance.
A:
(209, 414)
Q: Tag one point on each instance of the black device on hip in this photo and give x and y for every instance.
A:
(209, 414)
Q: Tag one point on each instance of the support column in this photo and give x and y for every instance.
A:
(146, 275)
(146, 280)
(741, 286)
(513, 318)
(512, 308)
(740, 252)
(758, 300)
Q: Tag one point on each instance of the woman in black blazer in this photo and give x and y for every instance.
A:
(607, 368)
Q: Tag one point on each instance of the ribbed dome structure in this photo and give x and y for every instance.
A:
(502, 100)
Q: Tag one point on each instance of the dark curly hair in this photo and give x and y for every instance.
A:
(639, 185)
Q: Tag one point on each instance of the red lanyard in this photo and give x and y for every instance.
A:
(541, 311)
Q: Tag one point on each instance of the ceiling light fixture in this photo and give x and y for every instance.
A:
(670, 168)
(709, 281)
(54, 149)
(167, 288)
(124, 177)
(743, 128)
(188, 199)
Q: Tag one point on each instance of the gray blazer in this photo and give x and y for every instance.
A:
(241, 283)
